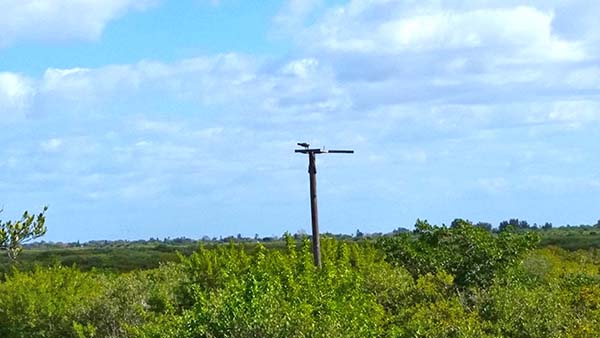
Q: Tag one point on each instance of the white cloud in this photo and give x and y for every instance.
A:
(485, 55)
(442, 99)
(73, 82)
(584, 78)
(16, 93)
(206, 80)
(575, 113)
(55, 20)
(51, 145)
(294, 13)
(517, 34)
(524, 28)
(301, 68)
(436, 92)
(248, 86)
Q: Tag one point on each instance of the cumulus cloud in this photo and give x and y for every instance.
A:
(16, 93)
(426, 56)
(525, 28)
(181, 78)
(523, 31)
(438, 67)
(56, 20)
(438, 99)
(250, 87)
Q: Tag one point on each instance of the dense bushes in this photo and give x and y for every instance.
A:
(230, 293)
(473, 255)
(443, 282)
(46, 302)
(65, 302)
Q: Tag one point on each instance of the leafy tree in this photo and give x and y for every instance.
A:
(484, 225)
(459, 222)
(515, 223)
(14, 233)
(359, 234)
(400, 230)
(471, 254)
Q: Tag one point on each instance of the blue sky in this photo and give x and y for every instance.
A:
(137, 119)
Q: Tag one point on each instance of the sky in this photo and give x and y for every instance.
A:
(134, 119)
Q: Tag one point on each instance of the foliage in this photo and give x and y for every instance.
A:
(46, 302)
(279, 294)
(408, 286)
(14, 233)
(471, 254)
(110, 257)
(125, 256)
(574, 238)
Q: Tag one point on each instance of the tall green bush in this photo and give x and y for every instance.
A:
(473, 255)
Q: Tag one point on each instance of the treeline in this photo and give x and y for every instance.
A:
(206, 240)
(434, 282)
(123, 255)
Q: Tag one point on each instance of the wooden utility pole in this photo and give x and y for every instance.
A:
(314, 210)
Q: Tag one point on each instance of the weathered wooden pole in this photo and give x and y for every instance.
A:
(314, 209)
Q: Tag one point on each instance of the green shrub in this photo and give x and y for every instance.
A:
(473, 255)
(460, 282)
(270, 293)
(47, 302)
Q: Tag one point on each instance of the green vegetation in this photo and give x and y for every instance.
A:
(115, 259)
(458, 281)
(572, 238)
(124, 256)
(117, 256)
(14, 233)
(471, 254)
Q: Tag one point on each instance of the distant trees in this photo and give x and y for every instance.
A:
(14, 233)
(524, 225)
(459, 222)
(515, 223)
(456, 223)
(400, 230)
(359, 234)
(484, 225)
